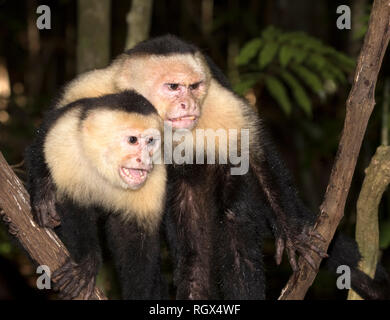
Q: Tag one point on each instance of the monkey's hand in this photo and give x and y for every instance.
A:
(74, 280)
(295, 242)
(44, 210)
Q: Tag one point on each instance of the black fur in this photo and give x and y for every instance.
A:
(165, 45)
(344, 251)
(213, 229)
(215, 222)
(136, 252)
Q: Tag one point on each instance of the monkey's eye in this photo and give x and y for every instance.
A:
(173, 86)
(150, 141)
(195, 86)
(133, 139)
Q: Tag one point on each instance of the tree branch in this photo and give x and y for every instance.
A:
(43, 245)
(367, 226)
(360, 104)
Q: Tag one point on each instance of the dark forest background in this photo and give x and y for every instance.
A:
(287, 57)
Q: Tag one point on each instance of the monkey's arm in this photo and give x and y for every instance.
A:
(40, 186)
(292, 220)
(80, 234)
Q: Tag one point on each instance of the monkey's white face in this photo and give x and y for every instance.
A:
(121, 146)
(138, 147)
(182, 95)
(176, 85)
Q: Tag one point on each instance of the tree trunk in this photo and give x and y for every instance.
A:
(207, 17)
(43, 245)
(34, 72)
(360, 104)
(138, 22)
(93, 35)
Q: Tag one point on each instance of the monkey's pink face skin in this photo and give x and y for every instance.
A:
(181, 99)
(121, 146)
(137, 164)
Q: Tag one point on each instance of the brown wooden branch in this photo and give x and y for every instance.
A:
(360, 104)
(367, 225)
(43, 245)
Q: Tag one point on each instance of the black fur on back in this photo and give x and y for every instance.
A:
(169, 44)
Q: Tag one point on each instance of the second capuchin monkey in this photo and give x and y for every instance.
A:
(99, 155)
(215, 221)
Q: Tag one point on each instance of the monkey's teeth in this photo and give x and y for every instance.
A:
(133, 173)
(184, 118)
(126, 171)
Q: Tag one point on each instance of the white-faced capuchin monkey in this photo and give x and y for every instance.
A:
(100, 154)
(215, 221)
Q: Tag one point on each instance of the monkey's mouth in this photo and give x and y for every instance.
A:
(186, 122)
(133, 177)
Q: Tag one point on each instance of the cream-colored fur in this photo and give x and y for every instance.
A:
(91, 84)
(76, 174)
(221, 109)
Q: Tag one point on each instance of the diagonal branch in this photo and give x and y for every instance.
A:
(360, 104)
(43, 245)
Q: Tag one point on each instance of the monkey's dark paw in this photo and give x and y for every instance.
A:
(45, 213)
(74, 280)
(301, 244)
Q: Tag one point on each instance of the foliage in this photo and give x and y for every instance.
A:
(358, 33)
(384, 234)
(291, 65)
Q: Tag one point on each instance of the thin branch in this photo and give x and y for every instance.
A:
(367, 225)
(360, 104)
(43, 245)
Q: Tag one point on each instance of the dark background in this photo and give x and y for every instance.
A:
(307, 142)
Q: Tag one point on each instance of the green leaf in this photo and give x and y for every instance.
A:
(299, 55)
(278, 91)
(298, 92)
(310, 78)
(337, 73)
(270, 34)
(5, 248)
(285, 55)
(384, 241)
(243, 86)
(316, 61)
(249, 51)
(267, 54)
(342, 60)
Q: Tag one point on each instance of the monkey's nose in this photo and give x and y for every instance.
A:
(138, 160)
(183, 105)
